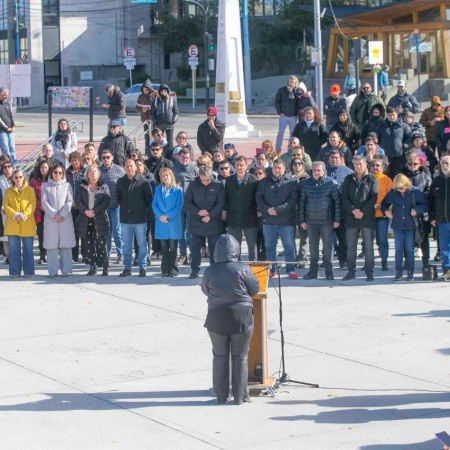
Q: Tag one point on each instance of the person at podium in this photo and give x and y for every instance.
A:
(229, 286)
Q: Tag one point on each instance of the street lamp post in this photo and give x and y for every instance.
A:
(205, 21)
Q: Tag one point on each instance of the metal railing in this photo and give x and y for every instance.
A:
(28, 162)
(137, 134)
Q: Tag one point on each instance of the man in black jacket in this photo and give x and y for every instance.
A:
(156, 162)
(7, 126)
(394, 138)
(134, 196)
(116, 105)
(319, 213)
(359, 195)
(241, 209)
(119, 144)
(439, 213)
(276, 197)
(210, 132)
(204, 201)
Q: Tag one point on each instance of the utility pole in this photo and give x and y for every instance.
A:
(246, 61)
(318, 45)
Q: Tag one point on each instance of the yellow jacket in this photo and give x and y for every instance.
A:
(23, 201)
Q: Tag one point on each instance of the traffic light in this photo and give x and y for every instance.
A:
(360, 47)
(211, 46)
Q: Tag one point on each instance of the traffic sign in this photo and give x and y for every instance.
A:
(129, 52)
(193, 51)
(376, 52)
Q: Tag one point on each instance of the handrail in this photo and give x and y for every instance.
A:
(28, 162)
(133, 134)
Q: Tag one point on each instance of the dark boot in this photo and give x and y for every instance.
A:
(384, 266)
(350, 276)
(311, 275)
(398, 276)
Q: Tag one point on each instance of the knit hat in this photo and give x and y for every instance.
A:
(212, 110)
(435, 101)
(259, 151)
(335, 89)
(302, 86)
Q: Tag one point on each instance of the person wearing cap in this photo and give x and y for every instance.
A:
(286, 107)
(430, 118)
(402, 101)
(333, 105)
(165, 113)
(116, 141)
(363, 103)
(143, 107)
(210, 132)
(116, 106)
(383, 81)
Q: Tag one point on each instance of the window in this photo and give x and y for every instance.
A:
(429, 15)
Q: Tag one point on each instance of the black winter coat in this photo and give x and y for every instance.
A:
(332, 107)
(229, 282)
(312, 138)
(117, 104)
(212, 199)
(419, 178)
(281, 194)
(135, 197)
(349, 133)
(101, 204)
(120, 146)
(362, 196)
(440, 199)
(208, 139)
(286, 102)
(240, 201)
(442, 135)
(320, 202)
(154, 165)
(393, 137)
(164, 112)
(324, 154)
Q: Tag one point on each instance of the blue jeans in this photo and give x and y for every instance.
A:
(326, 232)
(183, 242)
(283, 122)
(404, 244)
(8, 146)
(116, 230)
(129, 230)
(381, 228)
(196, 244)
(21, 255)
(444, 242)
(286, 234)
(122, 120)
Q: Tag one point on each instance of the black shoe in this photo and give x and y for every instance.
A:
(155, 254)
(410, 276)
(438, 257)
(105, 272)
(349, 276)
(164, 274)
(384, 266)
(343, 265)
(369, 277)
(329, 276)
(7, 260)
(398, 276)
(125, 273)
(193, 275)
(311, 275)
(142, 273)
(92, 271)
(173, 274)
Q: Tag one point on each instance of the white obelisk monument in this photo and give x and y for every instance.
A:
(230, 89)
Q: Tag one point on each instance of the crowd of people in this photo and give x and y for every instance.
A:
(354, 175)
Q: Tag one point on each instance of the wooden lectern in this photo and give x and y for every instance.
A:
(258, 362)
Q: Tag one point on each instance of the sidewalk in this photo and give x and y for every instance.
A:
(112, 363)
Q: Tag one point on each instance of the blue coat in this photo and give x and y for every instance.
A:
(402, 205)
(168, 203)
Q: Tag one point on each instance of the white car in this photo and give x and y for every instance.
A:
(133, 92)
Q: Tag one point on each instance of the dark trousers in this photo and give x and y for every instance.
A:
(340, 233)
(169, 137)
(352, 244)
(250, 235)
(40, 234)
(196, 244)
(76, 250)
(169, 256)
(96, 247)
(237, 345)
(315, 233)
(395, 166)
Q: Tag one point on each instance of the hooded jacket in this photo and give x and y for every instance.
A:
(349, 132)
(144, 101)
(229, 282)
(208, 139)
(312, 138)
(164, 112)
(428, 115)
(442, 135)
(370, 125)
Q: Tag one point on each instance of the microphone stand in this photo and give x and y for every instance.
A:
(285, 378)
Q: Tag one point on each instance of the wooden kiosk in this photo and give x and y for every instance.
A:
(258, 364)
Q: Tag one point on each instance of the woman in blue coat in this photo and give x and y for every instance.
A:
(401, 205)
(167, 205)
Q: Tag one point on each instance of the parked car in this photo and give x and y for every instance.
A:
(132, 94)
